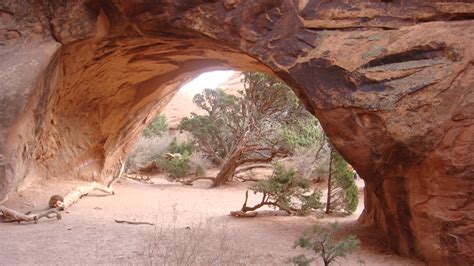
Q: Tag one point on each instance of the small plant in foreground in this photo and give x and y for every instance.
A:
(202, 242)
(320, 240)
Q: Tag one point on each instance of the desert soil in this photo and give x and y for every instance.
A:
(188, 220)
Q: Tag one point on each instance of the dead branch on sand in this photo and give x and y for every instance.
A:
(143, 179)
(247, 211)
(251, 167)
(119, 174)
(10, 216)
(241, 214)
(72, 197)
(190, 181)
(81, 191)
(132, 222)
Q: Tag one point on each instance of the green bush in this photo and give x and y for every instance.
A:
(321, 241)
(157, 127)
(302, 134)
(147, 150)
(177, 167)
(344, 180)
(200, 170)
(181, 147)
(287, 192)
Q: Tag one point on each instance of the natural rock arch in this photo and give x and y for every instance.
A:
(391, 84)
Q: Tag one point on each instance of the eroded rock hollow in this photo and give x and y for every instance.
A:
(391, 83)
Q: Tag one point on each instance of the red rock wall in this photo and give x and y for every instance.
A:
(390, 82)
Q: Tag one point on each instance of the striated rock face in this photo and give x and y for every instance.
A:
(391, 83)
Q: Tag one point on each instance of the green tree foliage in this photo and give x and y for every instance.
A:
(321, 241)
(213, 130)
(177, 147)
(238, 130)
(157, 127)
(283, 190)
(342, 190)
(177, 167)
(304, 133)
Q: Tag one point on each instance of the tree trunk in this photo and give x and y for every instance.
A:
(328, 202)
(227, 171)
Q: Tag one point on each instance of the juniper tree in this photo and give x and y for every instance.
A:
(236, 130)
(321, 240)
(284, 191)
(342, 190)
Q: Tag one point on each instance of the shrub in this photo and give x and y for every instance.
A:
(158, 127)
(342, 190)
(147, 150)
(177, 167)
(152, 149)
(305, 133)
(286, 192)
(180, 147)
(200, 163)
(200, 243)
(320, 240)
(310, 162)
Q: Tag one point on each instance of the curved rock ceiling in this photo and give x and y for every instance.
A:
(391, 84)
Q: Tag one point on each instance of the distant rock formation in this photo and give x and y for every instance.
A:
(182, 103)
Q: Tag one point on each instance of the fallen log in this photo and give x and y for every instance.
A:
(250, 214)
(132, 222)
(10, 216)
(190, 181)
(242, 179)
(251, 167)
(243, 214)
(81, 191)
(143, 179)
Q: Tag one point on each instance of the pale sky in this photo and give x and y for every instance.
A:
(207, 80)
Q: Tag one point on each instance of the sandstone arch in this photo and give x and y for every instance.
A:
(390, 82)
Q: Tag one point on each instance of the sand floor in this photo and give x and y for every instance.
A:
(192, 227)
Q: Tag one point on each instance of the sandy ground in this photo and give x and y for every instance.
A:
(188, 220)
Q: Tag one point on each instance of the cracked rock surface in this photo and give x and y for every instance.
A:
(391, 83)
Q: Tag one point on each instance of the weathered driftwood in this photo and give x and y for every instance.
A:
(132, 222)
(190, 181)
(247, 211)
(82, 191)
(251, 167)
(10, 216)
(250, 214)
(243, 214)
(119, 174)
(143, 179)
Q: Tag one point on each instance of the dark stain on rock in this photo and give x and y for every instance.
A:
(417, 53)
(321, 79)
